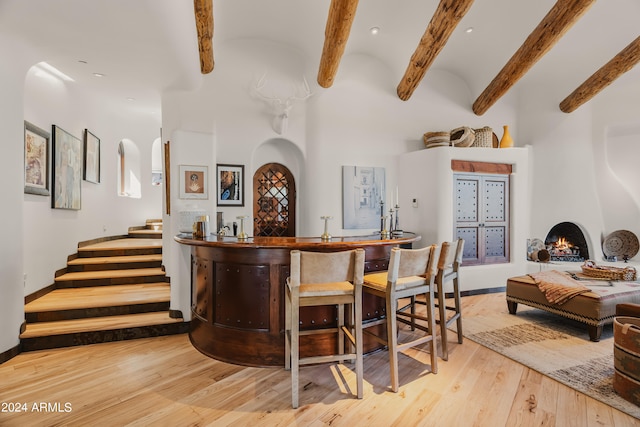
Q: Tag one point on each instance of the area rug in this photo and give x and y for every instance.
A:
(556, 347)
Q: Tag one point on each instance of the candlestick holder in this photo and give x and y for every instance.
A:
(396, 231)
(382, 224)
(242, 235)
(384, 233)
(391, 222)
(326, 235)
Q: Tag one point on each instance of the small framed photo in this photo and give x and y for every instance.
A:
(91, 157)
(66, 170)
(193, 182)
(230, 185)
(36, 160)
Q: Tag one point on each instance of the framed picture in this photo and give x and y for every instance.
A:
(36, 160)
(193, 182)
(66, 181)
(363, 190)
(91, 158)
(230, 185)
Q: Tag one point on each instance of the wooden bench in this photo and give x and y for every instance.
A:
(595, 308)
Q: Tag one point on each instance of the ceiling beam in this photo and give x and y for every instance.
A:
(553, 26)
(336, 34)
(204, 25)
(617, 66)
(444, 21)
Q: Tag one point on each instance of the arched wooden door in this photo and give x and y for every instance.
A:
(274, 207)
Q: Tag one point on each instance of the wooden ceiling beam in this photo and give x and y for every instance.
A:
(204, 25)
(444, 21)
(553, 26)
(336, 34)
(617, 66)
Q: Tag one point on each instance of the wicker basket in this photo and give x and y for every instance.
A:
(484, 137)
(437, 139)
(462, 137)
(589, 268)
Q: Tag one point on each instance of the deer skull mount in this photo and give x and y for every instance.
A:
(280, 107)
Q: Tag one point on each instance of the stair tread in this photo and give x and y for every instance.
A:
(126, 243)
(116, 259)
(146, 231)
(42, 329)
(110, 274)
(100, 296)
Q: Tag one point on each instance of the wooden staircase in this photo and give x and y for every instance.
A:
(113, 289)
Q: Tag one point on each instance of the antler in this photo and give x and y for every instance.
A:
(280, 106)
(287, 102)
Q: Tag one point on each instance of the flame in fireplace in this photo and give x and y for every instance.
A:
(563, 244)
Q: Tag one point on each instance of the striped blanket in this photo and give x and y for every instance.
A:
(558, 287)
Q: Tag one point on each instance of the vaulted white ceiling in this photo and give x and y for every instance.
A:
(146, 46)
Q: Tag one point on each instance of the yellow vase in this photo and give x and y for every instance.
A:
(506, 141)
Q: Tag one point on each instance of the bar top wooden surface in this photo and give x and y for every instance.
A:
(346, 242)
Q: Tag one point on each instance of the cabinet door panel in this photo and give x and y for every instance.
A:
(482, 217)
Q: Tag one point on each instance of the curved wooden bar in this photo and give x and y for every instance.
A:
(237, 294)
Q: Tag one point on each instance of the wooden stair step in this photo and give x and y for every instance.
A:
(125, 246)
(115, 262)
(81, 279)
(146, 233)
(75, 326)
(100, 296)
(67, 333)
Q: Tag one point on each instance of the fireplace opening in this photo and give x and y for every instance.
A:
(566, 242)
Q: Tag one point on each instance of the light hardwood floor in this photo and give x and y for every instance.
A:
(166, 382)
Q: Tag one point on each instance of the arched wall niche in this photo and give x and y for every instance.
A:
(285, 152)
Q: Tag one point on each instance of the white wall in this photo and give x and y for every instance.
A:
(11, 192)
(51, 235)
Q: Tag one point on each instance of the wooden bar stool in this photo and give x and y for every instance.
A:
(317, 278)
(448, 271)
(411, 272)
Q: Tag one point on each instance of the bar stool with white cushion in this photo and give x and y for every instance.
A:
(411, 272)
(317, 278)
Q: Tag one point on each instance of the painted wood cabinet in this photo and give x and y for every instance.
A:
(481, 217)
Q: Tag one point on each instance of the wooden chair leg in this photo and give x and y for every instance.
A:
(358, 349)
(442, 311)
(432, 330)
(287, 330)
(458, 305)
(392, 341)
(295, 352)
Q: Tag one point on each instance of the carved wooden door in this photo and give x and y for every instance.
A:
(481, 217)
(274, 195)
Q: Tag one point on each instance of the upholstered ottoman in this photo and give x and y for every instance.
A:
(595, 308)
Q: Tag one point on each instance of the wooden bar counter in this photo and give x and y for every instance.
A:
(237, 294)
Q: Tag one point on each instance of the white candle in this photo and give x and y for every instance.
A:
(397, 197)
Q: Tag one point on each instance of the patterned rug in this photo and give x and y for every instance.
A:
(556, 347)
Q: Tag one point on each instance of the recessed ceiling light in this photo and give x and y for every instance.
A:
(131, 99)
(374, 30)
(469, 30)
(98, 75)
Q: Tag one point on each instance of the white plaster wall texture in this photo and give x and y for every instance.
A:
(51, 235)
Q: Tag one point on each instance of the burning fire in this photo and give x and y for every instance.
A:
(563, 247)
(563, 244)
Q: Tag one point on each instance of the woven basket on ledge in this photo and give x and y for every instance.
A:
(589, 268)
(484, 137)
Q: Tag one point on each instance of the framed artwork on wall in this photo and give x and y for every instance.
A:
(91, 165)
(363, 193)
(66, 181)
(36, 160)
(193, 182)
(230, 185)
